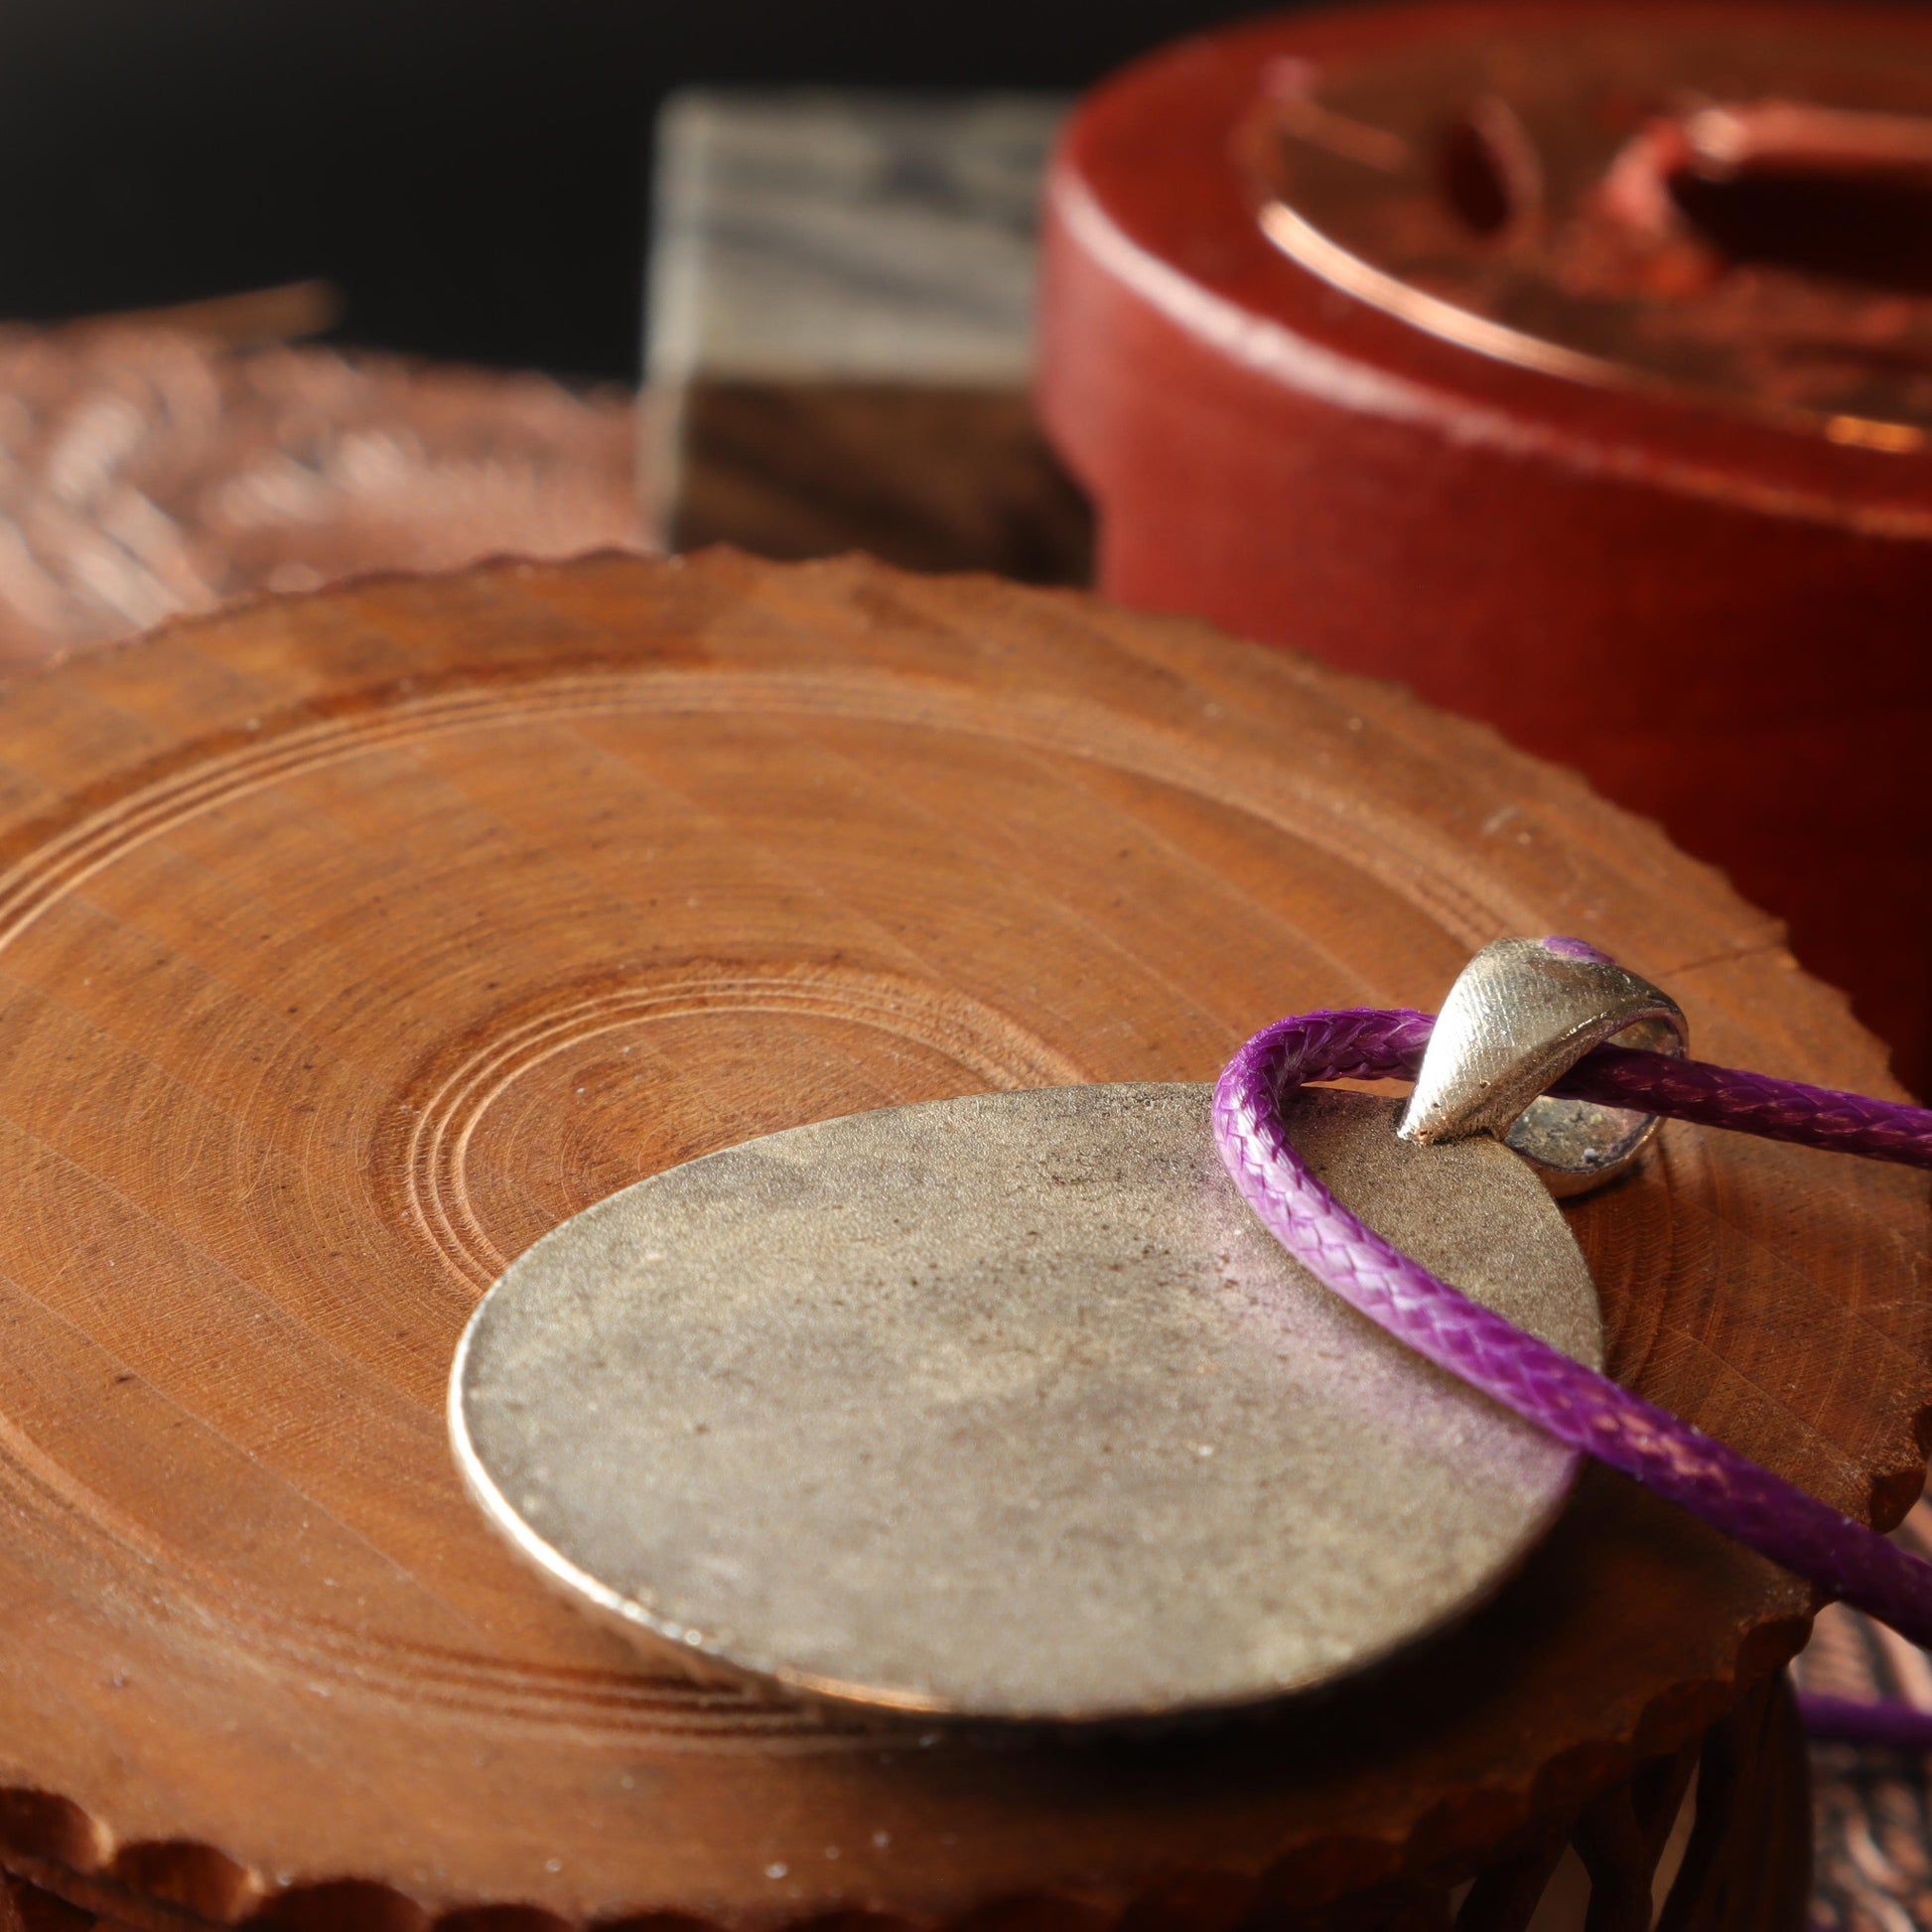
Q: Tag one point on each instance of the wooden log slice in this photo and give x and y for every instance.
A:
(349, 943)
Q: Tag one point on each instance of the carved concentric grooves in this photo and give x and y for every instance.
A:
(1322, 813)
(988, 1045)
(674, 1713)
(671, 1713)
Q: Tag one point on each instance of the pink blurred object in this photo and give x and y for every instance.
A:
(147, 472)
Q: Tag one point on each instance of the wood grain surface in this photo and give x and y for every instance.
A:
(348, 943)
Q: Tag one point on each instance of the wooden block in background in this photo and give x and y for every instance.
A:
(841, 331)
(930, 479)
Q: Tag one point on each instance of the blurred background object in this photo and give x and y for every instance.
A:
(839, 350)
(472, 174)
(472, 184)
(150, 467)
(1572, 364)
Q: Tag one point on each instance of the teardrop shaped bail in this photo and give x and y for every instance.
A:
(1522, 1013)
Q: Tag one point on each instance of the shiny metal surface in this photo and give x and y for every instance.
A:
(1006, 1408)
(1566, 197)
(1520, 1015)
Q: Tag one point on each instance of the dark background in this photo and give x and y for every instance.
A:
(470, 174)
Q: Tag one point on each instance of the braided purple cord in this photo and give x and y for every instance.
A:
(1753, 1103)
(1711, 1096)
(1888, 1722)
(1575, 1403)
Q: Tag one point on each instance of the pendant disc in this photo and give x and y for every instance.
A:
(1006, 1408)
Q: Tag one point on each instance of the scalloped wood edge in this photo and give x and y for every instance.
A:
(54, 1842)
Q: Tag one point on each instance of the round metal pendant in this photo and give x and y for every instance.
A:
(1005, 1408)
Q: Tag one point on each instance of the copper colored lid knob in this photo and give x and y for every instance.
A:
(1739, 217)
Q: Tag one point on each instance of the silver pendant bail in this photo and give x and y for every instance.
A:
(1523, 1013)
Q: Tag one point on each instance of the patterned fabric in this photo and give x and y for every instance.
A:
(1873, 1809)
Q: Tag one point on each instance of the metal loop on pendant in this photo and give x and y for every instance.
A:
(1520, 1015)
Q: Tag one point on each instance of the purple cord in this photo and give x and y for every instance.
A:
(1575, 1403)
(1752, 1103)
(1888, 1722)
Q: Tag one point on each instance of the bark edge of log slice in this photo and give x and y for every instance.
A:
(348, 942)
